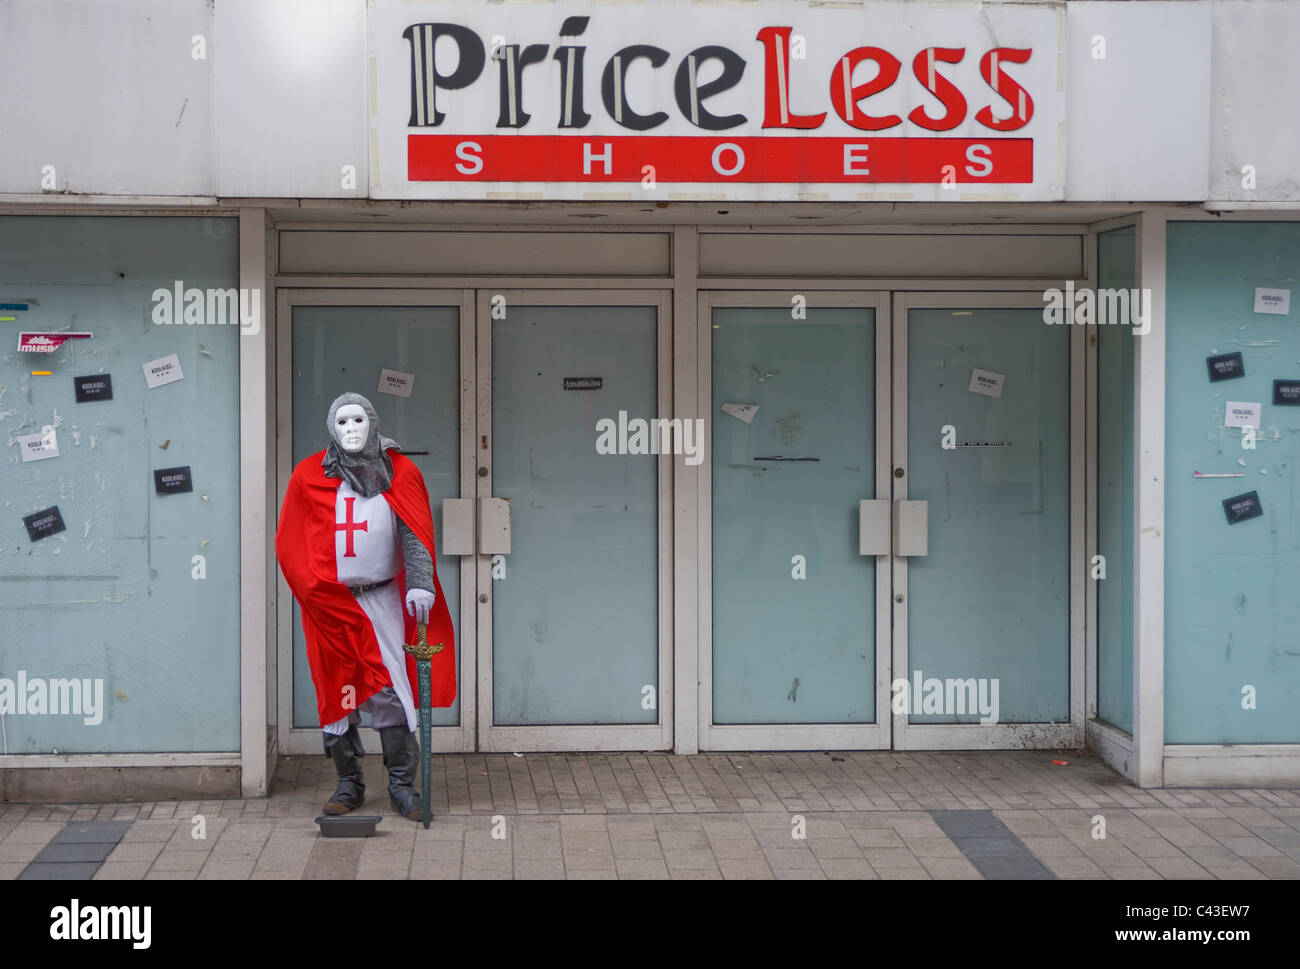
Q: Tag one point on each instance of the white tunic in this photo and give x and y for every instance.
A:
(366, 546)
(367, 549)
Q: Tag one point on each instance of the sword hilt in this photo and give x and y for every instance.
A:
(422, 648)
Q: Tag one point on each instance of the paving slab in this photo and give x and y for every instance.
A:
(991, 846)
(68, 871)
(865, 814)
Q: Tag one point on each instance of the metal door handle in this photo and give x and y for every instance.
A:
(873, 526)
(494, 526)
(911, 528)
(458, 526)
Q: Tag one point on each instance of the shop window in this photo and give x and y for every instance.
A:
(1116, 270)
(1232, 513)
(119, 586)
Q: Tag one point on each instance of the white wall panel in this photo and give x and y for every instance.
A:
(1138, 121)
(1255, 120)
(290, 82)
(107, 92)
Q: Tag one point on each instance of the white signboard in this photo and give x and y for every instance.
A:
(662, 101)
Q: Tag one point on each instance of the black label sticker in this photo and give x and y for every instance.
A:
(583, 383)
(170, 481)
(1286, 391)
(1226, 366)
(97, 386)
(1242, 507)
(43, 524)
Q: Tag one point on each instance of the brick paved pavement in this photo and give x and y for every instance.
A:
(867, 815)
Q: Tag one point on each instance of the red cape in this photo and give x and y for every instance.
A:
(341, 645)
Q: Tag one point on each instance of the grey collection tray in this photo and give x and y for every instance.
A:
(348, 825)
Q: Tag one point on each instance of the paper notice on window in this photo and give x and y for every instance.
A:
(164, 370)
(38, 447)
(741, 412)
(1239, 414)
(986, 382)
(396, 383)
(1275, 301)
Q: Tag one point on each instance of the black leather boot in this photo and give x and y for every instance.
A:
(346, 751)
(402, 758)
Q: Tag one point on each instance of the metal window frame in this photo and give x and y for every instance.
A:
(1000, 735)
(789, 736)
(306, 740)
(1113, 744)
(256, 751)
(494, 737)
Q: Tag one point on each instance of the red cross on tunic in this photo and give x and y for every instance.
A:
(349, 526)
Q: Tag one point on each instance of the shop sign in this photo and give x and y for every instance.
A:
(661, 99)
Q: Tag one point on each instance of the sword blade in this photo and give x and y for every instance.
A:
(426, 736)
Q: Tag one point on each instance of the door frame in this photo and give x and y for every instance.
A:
(508, 737)
(792, 736)
(456, 738)
(1010, 735)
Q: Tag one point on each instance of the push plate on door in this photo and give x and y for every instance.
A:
(911, 527)
(873, 526)
(458, 526)
(493, 526)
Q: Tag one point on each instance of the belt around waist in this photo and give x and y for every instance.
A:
(356, 590)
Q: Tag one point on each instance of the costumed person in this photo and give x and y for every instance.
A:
(355, 543)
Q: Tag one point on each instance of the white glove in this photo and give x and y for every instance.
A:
(419, 602)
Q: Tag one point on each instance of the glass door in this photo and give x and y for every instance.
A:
(410, 354)
(987, 595)
(795, 578)
(573, 453)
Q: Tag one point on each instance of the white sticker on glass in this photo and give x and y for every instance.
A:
(1239, 414)
(742, 412)
(164, 370)
(1275, 301)
(986, 382)
(395, 382)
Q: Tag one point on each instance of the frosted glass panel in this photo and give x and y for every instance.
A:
(1115, 380)
(114, 637)
(991, 599)
(793, 638)
(575, 620)
(1232, 611)
(343, 348)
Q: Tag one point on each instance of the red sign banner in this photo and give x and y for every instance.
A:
(688, 158)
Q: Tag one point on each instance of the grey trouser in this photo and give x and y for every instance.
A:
(385, 710)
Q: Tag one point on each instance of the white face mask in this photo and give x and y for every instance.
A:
(351, 427)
